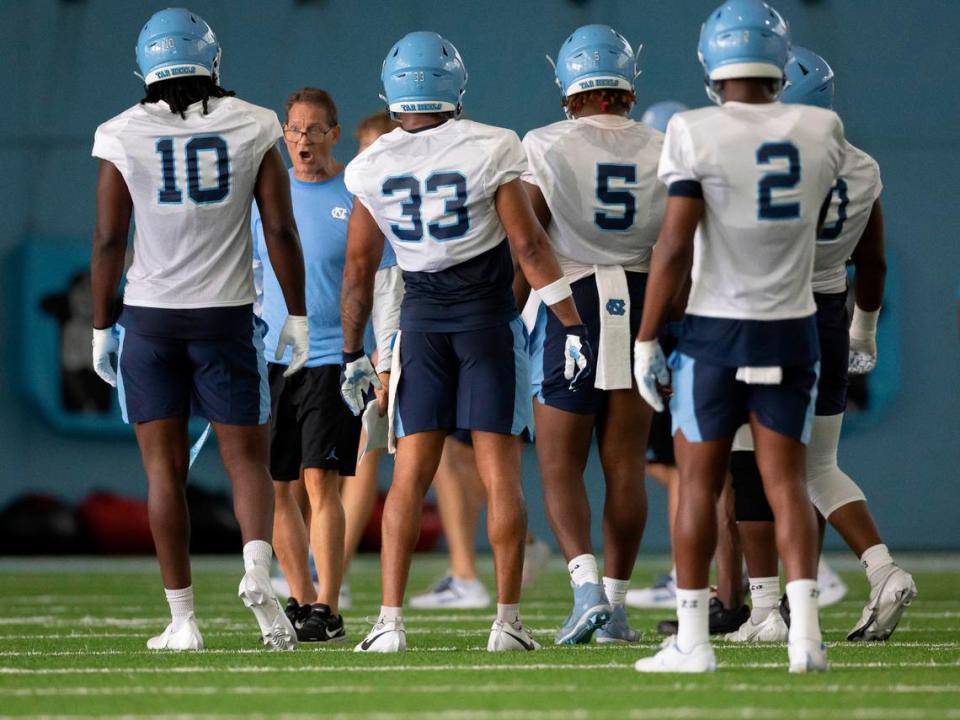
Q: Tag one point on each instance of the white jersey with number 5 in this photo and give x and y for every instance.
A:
(432, 191)
(191, 180)
(765, 171)
(598, 175)
(851, 202)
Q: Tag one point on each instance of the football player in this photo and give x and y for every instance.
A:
(446, 193)
(744, 215)
(853, 228)
(186, 162)
(592, 180)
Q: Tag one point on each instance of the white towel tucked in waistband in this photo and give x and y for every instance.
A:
(613, 345)
(392, 407)
(760, 375)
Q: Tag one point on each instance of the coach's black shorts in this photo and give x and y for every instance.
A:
(311, 427)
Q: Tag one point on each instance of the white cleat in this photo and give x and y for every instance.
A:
(536, 555)
(662, 596)
(832, 588)
(771, 629)
(510, 636)
(184, 635)
(807, 656)
(256, 592)
(384, 637)
(453, 592)
(343, 599)
(888, 601)
(670, 660)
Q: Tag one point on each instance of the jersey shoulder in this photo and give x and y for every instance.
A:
(115, 125)
(549, 133)
(857, 161)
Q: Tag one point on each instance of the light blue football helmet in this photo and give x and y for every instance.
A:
(423, 73)
(809, 79)
(658, 115)
(743, 39)
(595, 57)
(177, 43)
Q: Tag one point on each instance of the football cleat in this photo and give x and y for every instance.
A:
(453, 592)
(670, 660)
(617, 629)
(536, 555)
(255, 591)
(663, 594)
(182, 635)
(888, 601)
(320, 625)
(771, 629)
(722, 620)
(384, 637)
(807, 656)
(590, 612)
(295, 612)
(506, 636)
(832, 588)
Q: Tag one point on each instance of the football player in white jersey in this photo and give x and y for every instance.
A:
(186, 162)
(747, 182)
(446, 193)
(853, 227)
(592, 180)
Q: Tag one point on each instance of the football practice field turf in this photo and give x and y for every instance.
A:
(72, 639)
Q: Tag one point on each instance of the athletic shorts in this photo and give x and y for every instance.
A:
(660, 442)
(205, 362)
(311, 425)
(555, 391)
(833, 329)
(709, 403)
(471, 380)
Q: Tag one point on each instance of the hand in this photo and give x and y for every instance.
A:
(356, 377)
(295, 332)
(650, 372)
(383, 393)
(105, 345)
(578, 359)
(863, 342)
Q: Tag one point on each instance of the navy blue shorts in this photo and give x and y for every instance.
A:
(833, 329)
(205, 362)
(660, 441)
(709, 403)
(555, 390)
(471, 380)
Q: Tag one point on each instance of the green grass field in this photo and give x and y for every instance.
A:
(72, 645)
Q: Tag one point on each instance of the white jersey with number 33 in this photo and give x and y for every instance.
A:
(191, 180)
(765, 171)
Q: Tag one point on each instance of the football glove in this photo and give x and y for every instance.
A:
(295, 332)
(105, 350)
(356, 378)
(650, 371)
(863, 341)
(578, 359)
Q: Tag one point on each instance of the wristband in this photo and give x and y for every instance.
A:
(349, 357)
(864, 323)
(555, 292)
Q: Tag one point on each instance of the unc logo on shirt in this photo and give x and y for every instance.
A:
(616, 306)
(338, 213)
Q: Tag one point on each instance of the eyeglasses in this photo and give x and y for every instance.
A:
(314, 133)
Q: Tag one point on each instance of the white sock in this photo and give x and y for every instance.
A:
(615, 590)
(181, 603)
(693, 618)
(508, 613)
(257, 553)
(764, 595)
(673, 574)
(875, 561)
(391, 614)
(804, 617)
(583, 569)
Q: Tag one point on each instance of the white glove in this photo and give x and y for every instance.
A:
(578, 359)
(105, 345)
(650, 370)
(295, 332)
(863, 341)
(356, 377)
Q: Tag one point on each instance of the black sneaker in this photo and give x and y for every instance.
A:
(722, 620)
(321, 625)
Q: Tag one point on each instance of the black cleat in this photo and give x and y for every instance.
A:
(722, 620)
(320, 625)
(296, 613)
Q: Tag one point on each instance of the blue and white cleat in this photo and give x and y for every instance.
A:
(663, 595)
(591, 611)
(617, 629)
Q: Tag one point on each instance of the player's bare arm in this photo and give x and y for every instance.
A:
(364, 250)
(869, 260)
(114, 207)
(272, 193)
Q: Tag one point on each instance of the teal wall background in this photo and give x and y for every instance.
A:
(68, 66)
